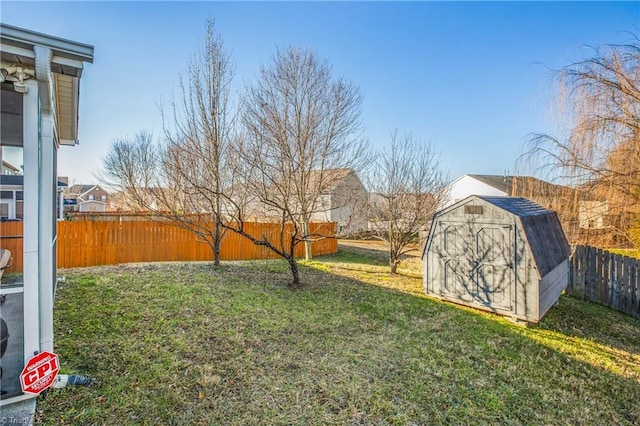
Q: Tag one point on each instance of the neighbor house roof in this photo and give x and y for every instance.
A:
(331, 178)
(18, 180)
(79, 189)
(501, 183)
(516, 185)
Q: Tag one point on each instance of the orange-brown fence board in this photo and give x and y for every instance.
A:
(11, 239)
(95, 242)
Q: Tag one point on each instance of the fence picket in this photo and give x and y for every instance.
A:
(606, 278)
(591, 275)
(619, 283)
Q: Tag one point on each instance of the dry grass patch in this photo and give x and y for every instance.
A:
(190, 344)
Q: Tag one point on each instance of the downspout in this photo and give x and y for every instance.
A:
(43, 76)
(47, 234)
(47, 170)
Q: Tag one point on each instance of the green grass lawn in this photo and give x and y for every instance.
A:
(189, 344)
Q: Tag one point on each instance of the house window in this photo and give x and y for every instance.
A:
(4, 210)
(19, 195)
(91, 197)
(103, 198)
(7, 195)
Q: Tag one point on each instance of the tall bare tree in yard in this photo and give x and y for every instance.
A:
(407, 184)
(300, 124)
(185, 175)
(599, 151)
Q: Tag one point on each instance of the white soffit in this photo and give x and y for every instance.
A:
(67, 93)
(68, 57)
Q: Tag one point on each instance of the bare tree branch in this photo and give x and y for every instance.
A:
(186, 174)
(599, 100)
(301, 125)
(407, 185)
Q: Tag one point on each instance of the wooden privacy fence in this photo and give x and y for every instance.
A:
(11, 239)
(92, 243)
(610, 279)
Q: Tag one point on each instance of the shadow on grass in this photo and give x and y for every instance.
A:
(581, 319)
(188, 344)
(571, 317)
(358, 256)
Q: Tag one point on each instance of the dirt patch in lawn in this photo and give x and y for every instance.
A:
(378, 250)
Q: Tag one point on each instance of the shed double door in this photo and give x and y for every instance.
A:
(477, 264)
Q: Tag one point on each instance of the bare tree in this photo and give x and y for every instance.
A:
(407, 185)
(599, 152)
(301, 125)
(186, 175)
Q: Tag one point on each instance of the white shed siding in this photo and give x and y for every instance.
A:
(466, 185)
(552, 285)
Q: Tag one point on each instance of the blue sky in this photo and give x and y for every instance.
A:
(473, 78)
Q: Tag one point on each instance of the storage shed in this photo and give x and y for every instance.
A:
(503, 254)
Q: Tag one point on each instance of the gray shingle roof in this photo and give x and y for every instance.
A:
(542, 228)
(519, 206)
(501, 183)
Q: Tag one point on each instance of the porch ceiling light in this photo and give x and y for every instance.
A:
(17, 74)
(20, 87)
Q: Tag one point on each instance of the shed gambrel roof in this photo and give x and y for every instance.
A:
(542, 229)
(519, 206)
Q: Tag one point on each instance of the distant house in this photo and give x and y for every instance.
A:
(157, 199)
(12, 196)
(593, 214)
(85, 198)
(585, 217)
(501, 186)
(342, 200)
(379, 211)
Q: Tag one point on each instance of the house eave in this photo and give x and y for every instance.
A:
(65, 52)
(66, 64)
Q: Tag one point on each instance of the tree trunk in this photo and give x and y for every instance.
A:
(394, 260)
(393, 265)
(307, 243)
(216, 243)
(293, 266)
